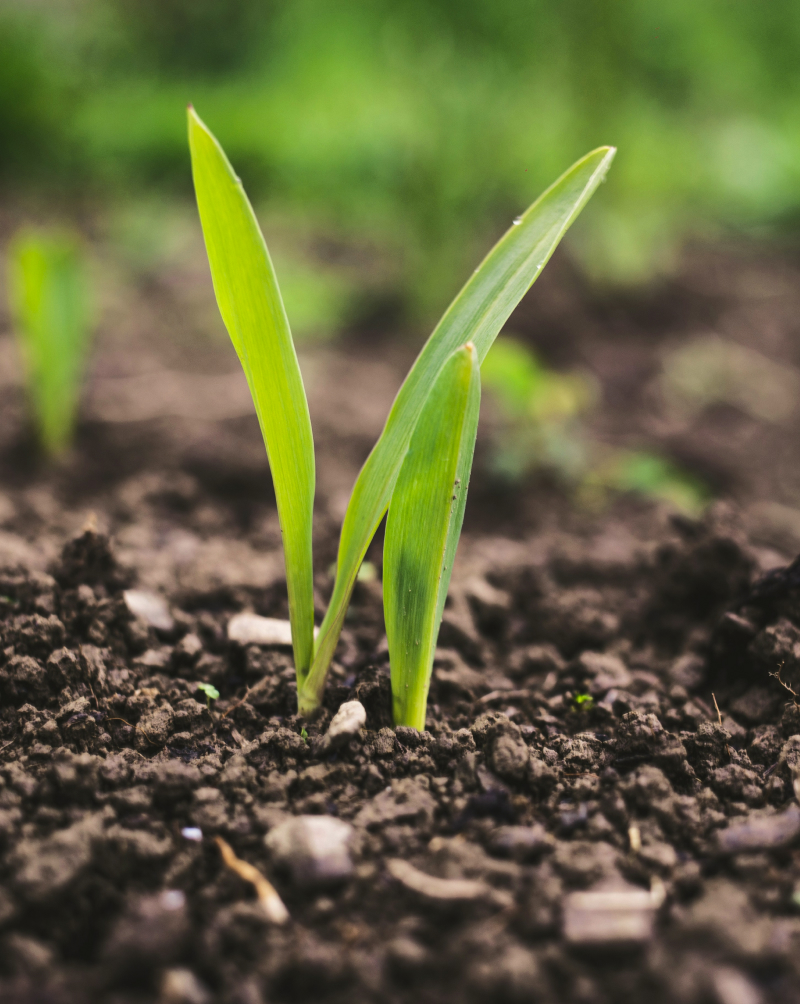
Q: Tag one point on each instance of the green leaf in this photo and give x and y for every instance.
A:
(251, 307)
(49, 298)
(422, 529)
(477, 314)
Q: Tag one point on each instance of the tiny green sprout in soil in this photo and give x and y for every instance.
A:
(49, 297)
(304, 734)
(420, 466)
(211, 692)
(583, 702)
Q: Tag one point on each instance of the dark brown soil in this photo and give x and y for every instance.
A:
(573, 742)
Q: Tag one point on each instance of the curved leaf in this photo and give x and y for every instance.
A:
(423, 527)
(477, 314)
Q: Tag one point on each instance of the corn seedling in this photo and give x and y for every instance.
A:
(48, 291)
(419, 467)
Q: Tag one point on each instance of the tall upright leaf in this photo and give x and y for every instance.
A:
(422, 529)
(251, 306)
(477, 314)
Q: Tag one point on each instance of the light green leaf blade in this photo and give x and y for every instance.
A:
(251, 306)
(422, 529)
(49, 296)
(477, 314)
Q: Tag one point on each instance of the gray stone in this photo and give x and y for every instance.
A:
(346, 723)
(761, 832)
(150, 607)
(315, 849)
(606, 917)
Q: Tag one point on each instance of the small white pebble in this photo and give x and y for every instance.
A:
(151, 607)
(605, 916)
(345, 724)
(172, 899)
(251, 629)
(192, 833)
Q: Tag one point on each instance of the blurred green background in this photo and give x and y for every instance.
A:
(393, 141)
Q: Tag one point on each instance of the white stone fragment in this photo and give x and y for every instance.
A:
(761, 831)
(315, 849)
(347, 721)
(251, 629)
(609, 916)
(172, 899)
(151, 607)
(431, 887)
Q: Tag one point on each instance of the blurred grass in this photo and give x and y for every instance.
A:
(540, 423)
(50, 298)
(420, 128)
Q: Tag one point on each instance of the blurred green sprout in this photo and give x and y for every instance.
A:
(540, 425)
(211, 692)
(420, 466)
(49, 296)
(647, 474)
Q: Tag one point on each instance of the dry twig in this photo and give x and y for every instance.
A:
(267, 894)
(719, 719)
(777, 676)
(259, 685)
(137, 727)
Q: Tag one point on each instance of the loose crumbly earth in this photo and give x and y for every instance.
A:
(572, 744)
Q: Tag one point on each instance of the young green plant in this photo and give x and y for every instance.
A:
(48, 292)
(251, 306)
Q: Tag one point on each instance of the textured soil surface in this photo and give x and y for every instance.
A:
(603, 804)
(572, 746)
